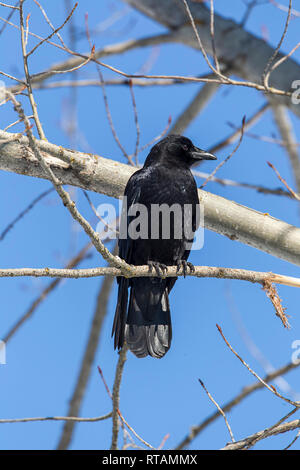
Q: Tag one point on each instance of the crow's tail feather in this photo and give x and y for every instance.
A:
(148, 329)
(121, 313)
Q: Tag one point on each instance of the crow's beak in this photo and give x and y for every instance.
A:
(199, 154)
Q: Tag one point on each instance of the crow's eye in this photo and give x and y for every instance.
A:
(185, 147)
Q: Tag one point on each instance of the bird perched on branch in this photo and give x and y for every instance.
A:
(164, 195)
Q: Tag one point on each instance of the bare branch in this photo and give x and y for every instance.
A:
(285, 128)
(116, 396)
(28, 77)
(271, 388)
(87, 361)
(77, 59)
(136, 120)
(237, 133)
(123, 420)
(212, 174)
(24, 212)
(143, 271)
(246, 391)
(34, 305)
(197, 104)
(282, 428)
(75, 419)
(9, 6)
(55, 31)
(267, 71)
(292, 192)
(237, 47)
(267, 432)
(233, 183)
(215, 70)
(65, 197)
(212, 33)
(219, 408)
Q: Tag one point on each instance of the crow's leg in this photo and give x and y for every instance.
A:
(185, 265)
(160, 268)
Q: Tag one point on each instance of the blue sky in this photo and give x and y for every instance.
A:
(158, 397)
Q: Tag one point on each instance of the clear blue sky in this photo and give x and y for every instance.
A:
(158, 397)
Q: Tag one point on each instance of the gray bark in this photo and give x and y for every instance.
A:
(109, 177)
(243, 52)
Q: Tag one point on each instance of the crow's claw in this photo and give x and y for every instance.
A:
(185, 265)
(160, 268)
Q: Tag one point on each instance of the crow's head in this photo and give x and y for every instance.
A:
(178, 151)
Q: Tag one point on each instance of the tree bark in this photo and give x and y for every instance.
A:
(109, 177)
(245, 54)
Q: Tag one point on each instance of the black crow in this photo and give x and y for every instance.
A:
(159, 238)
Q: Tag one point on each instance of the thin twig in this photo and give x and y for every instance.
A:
(256, 353)
(295, 195)
(162, 38)
(219, 408)
(245, 392)
(193, 24)
(11, 77)
(293, 441)
(212, 34)
(55, 31)
(271, 388)
(14, 123)
(28, 77)
(282, 428)
(58, 418)
(24, 212)
(120, 414)
(9, 6)
(12, 11)
(116, 396)
(87, 361)
(65, 197)
(248, 123)
(255, 187)
(287, 133)
(227, 158)
(199, 101)
(136, 120)
(283, 59)
(267, 70)
(143, 271)
(106, 104)
(284, 8)
(77, 67)
(264, 138)
(49, 23)
(108, 226)
(45, 292)
(156, 139)
(268, 431)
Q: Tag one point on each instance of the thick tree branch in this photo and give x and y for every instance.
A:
(237, 48)
(109, 177)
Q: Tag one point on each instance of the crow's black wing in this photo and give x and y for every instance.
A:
(131, 195)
